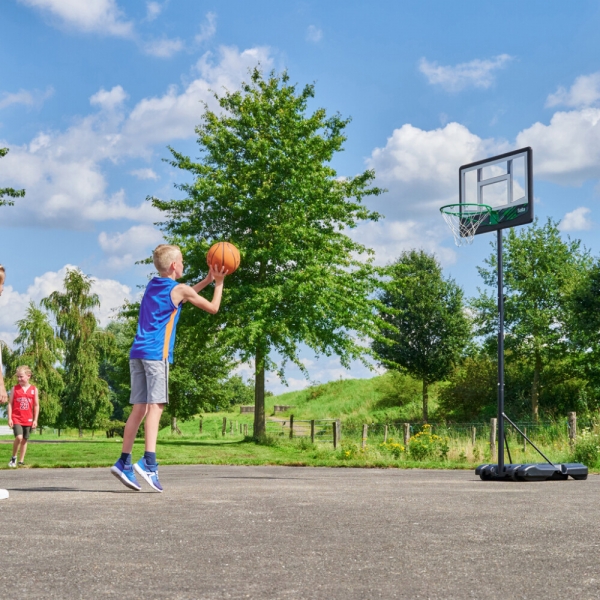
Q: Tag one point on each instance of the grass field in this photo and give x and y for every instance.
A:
(354, 402)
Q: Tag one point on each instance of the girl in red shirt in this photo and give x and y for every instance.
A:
(23, 411)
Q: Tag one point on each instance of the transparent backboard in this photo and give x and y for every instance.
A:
(505, 183)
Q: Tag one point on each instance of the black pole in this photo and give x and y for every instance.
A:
(500, 358)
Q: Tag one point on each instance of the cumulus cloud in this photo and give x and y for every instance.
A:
(567, 150)
(125, 249)
(390, 238)
(584, 92)
(420, 168)
(207, 29)
(314, 34)
(476, 73)
(13, 304)
(153, 9)
(576, 220)
(109, 100)
(94, 16)
(163, 48)
(144, 174)
(62, 171)
(33, 98)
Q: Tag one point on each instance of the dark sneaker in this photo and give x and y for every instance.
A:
(150, 474)
(12, 463)
(21, 463)
(124, 473)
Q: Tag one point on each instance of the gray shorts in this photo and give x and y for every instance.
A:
(149, 381)
(24, 430)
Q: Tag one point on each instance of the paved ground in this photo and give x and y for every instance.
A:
(280, 532)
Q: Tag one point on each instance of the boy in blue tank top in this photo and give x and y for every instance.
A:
(150, 355)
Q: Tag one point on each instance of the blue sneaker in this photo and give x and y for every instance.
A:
(124, 473)
(150, 474)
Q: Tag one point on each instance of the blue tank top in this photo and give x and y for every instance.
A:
(155, 336)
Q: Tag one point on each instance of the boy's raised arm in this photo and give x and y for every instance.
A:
(185, 293)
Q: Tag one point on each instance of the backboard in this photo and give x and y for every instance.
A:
(503, 182)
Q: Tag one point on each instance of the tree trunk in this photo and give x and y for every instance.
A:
(259, 394)
(174, 428)
(80, 432)
(425, 401)
(535, 387)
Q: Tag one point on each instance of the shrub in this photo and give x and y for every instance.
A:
(424, 445)
(394, 448)
(587, 449)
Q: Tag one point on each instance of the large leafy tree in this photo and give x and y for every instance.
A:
(38, 347)
(264, 182)
(540, 271)
(85, 398)
(8, 194)
(424, 328)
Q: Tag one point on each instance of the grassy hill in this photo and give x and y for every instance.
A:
(382, 399)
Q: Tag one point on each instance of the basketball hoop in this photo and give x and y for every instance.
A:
(464, 219)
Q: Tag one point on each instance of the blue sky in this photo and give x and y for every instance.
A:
(91, 94)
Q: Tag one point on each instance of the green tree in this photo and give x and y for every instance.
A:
(85, 398)
(264, 182)
(7, 193)
(540, 271)
(41, 350)
(424, 328)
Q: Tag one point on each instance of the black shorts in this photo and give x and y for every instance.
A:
(24, 430)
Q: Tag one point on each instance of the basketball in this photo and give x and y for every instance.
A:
(223, 254)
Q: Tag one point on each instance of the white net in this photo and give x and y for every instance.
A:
(464, 219)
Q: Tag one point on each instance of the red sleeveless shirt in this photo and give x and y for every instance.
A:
(22, 405)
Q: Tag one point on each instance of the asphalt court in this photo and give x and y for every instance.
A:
(291, 532)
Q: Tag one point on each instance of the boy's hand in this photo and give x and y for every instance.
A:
(218, 274)
(3, 396)
(10, 422)
(34, 425)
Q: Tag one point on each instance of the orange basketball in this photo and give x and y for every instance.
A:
(224, 254)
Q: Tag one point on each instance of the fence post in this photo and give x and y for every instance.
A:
(335, 435)
(364, 436)
(291, 426)
(246, 429)
(338, 424)
(525, 440)
(572, 428)
(200, 424)
(493, 424)
(312, 431)
(473, 434)
(385, 431)
(224, 428)
(406, 434)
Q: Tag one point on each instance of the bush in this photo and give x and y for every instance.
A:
(394, 448)
(426, 445)
(587, 449)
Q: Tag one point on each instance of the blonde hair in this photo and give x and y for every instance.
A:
(2, 274)
(23, 369)
(164, 255)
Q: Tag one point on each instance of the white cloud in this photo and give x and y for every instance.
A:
(153, 9)
(28, 98)
(584, 92)
(566, 151)
(62, 171)
(144, 174)
(576, 220)
(476, 73)
(314, 34)
(97, 16)
(390, 238)
(125, 249)
(420, 168)
(163, 48)
(109, 100)
(13, 304)
(207, 29)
